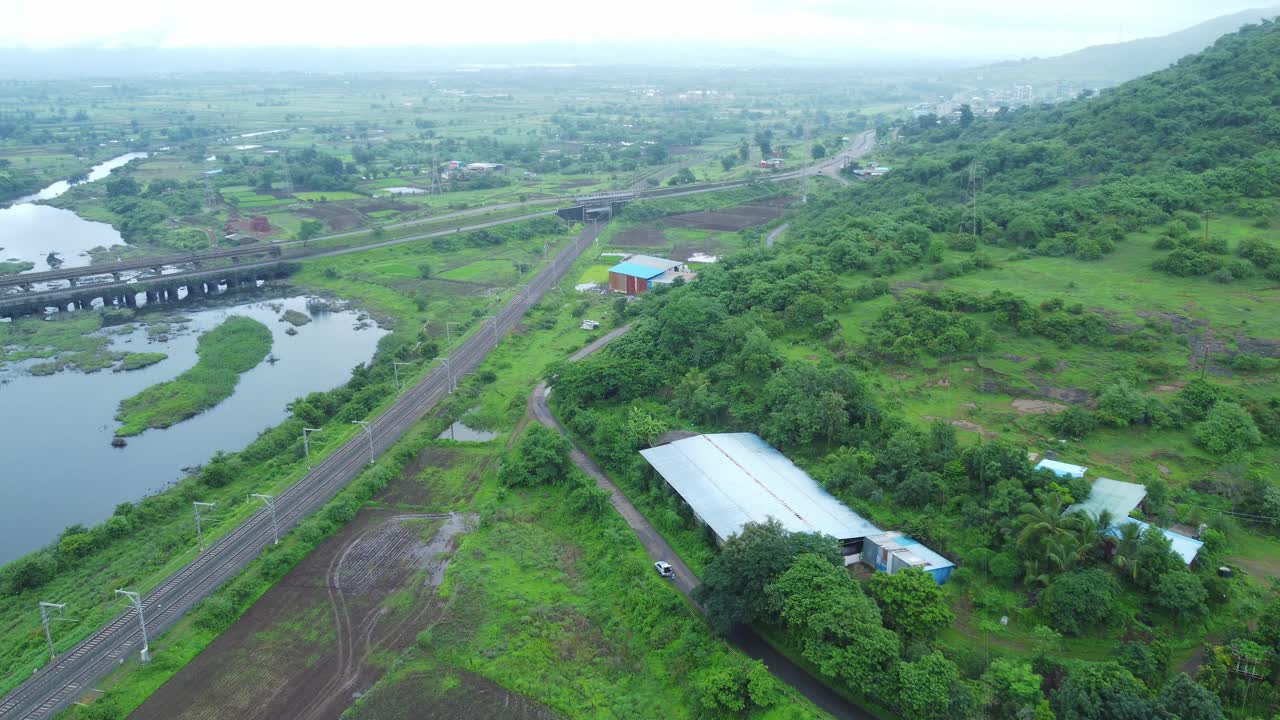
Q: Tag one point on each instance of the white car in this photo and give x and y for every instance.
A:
(664, 569)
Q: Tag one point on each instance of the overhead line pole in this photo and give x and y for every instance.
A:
(199, 531)
(44, 619)
(368, 434)
(270, 502)
(136, 600)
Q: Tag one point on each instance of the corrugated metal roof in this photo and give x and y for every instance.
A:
(634, 270)
(930, 559)
(1186, 547)
(1118, 497)
(653, 262)
(1062, 469)
(732, 479)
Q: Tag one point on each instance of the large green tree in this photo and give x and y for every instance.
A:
(911, 602)
(733, 586)
(838, 627)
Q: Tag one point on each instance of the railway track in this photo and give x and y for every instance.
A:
(72, 675)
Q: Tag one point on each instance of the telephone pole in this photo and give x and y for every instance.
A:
(136, 600)
(270, 502)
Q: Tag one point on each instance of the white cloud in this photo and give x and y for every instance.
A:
(901, 28)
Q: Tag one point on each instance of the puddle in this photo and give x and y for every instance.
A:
(702, 258)
(404, 190)
(612, 254)
(248, 147)
(462, 433)
(584, 287)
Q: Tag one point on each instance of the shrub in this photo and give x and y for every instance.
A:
(1078, 601)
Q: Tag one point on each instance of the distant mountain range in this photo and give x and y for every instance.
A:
(1107, 65)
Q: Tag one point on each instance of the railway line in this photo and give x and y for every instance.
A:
(72, 675)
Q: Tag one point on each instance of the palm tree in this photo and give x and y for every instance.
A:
(1040, 523)
(1126, 553)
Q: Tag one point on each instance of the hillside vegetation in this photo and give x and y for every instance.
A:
(912, 362)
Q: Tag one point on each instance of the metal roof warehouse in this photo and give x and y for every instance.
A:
(735, 478)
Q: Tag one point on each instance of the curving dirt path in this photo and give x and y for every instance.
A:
(306, 650)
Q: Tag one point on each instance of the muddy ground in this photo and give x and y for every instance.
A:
(339, 218)
(727, 220)
(306, 650)
(642, 236)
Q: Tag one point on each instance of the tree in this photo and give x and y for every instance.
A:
(1154, 559)
(728, 161)
(1185, 699)
(1013, 686)
(838, 627)
(122, 186)
(931, 689)
(1073, 423)
(1120, 405)
(1026, 230)
(541, 458)
(911, 603)
(1077, 601)
(1102, 691)
(683, 177)
(1182, 594)
(733, 586)
(818, 151)
(966, 115)
(1227, 428)
(308, 229)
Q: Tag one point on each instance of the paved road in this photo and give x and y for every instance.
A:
(64, 681)
(685, 581)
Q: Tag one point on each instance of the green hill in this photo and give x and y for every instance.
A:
(911, 364)
(1115, 63)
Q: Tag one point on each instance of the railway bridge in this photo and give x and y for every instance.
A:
(166, 288)
(74, 276)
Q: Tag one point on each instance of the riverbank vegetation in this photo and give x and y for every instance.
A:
(911, 365)
(543, 617)
(223, 354)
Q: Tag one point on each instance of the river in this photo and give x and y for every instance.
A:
(55, 431)
(30, 232)
(56, 464)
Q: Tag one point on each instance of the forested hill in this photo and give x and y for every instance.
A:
(1199, 135)
(1112, 64)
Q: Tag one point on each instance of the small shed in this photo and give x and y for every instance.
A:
(1062, 469)
(590, 324)
(890, 552)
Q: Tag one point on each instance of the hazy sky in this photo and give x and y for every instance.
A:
(901, 28)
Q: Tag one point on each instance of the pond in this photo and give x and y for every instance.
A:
(55, 432)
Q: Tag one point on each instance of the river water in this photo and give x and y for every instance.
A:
(56, 463)
(55, 431)
(30, 232)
